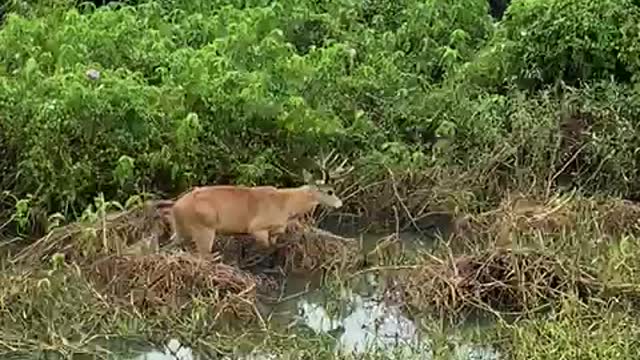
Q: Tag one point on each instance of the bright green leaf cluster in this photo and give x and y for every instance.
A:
(163, 94)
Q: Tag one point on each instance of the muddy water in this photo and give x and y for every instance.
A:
(360, 321)
(366, 324)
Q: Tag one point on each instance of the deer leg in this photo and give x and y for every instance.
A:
(296, 224)
(276, 232)
(262, 238)
(261, 231)
(178, 240)
(204, 241)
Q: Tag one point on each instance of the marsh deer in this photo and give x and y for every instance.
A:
(262, 211)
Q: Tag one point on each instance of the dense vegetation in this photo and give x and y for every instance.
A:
(157, 96)
(195, 92)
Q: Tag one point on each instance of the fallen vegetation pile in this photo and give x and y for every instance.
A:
(524, 217)
(156, 280)
(527, 253)
(500, 280)
(128, 257)
(136, 230)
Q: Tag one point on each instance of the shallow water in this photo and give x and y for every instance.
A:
(365, 324)
(360, 320)
(354, 315)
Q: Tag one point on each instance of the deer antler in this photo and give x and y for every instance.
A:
(340, 171)
(333, 172)
(322, 164)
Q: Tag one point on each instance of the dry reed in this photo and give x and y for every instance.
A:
(114, 253)
(519, 215)
(497, 280)
(116, 233)
(158, 280)
(507, 260)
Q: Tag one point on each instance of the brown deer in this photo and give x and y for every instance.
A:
(262, 211)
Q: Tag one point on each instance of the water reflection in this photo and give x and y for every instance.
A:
(373, 326)
(173, 350)
(369, 325)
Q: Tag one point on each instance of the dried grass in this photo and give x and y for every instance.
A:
(617, 217)
(516, 216)
(497, 280)
(158, 280)
(407, 200)
(506, 260)
(519, 215)
(118, 233)
(315, 248)
(115, 254)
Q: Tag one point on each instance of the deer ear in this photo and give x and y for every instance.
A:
(306, 176)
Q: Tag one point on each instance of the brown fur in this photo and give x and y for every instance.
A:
(260, 211)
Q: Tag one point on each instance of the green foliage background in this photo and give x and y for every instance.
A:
(193, 92)
(248, 91)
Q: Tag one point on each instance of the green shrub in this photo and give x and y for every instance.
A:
(205, 93)
(572, 40)
(200, 92)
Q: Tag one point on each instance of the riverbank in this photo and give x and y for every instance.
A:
(541, 272)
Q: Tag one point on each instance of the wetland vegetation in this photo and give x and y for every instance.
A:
(491, 213)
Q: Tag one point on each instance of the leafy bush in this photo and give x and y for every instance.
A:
(229, 91)
(214, 91)
(572, 40)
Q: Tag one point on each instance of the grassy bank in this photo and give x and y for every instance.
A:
(439, 108)
(555, 276)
